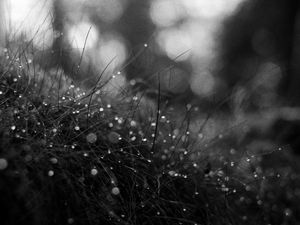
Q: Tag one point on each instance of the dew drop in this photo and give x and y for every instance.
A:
(54, 160)
(132, 82)
(115, 191)
(91, 138)
(200, 135)
(3, 164)
(94, 172)
(288, 212)
(50, 173)
(70, 221)
(133, 123)
(113, 137)
(133, 138)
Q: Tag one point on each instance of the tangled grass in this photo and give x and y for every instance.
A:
(76, 156)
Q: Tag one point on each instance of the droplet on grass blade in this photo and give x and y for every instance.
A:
(115, 191)
(91, 138)
(113, 137)
(54, 160)
(288, 212)
(94, 172)
(133, 123)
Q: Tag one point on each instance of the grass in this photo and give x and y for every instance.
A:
(77, 156)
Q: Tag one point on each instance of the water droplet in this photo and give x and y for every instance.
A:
(113, 137)
(28, 158)
(133, 123)
(70, 221)
(132, 82)
(133, 138)
(3, 163)
(50, 173)
(115, 191)
(172, 173)
(225, 189)
(288, 212)
(188, 106)
(259, 202)
(91, 138)
(94, 172)
(54, 160)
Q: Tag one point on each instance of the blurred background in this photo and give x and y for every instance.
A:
(181, 37)
(238, 56)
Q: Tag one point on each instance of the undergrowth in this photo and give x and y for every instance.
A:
(70, 155)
